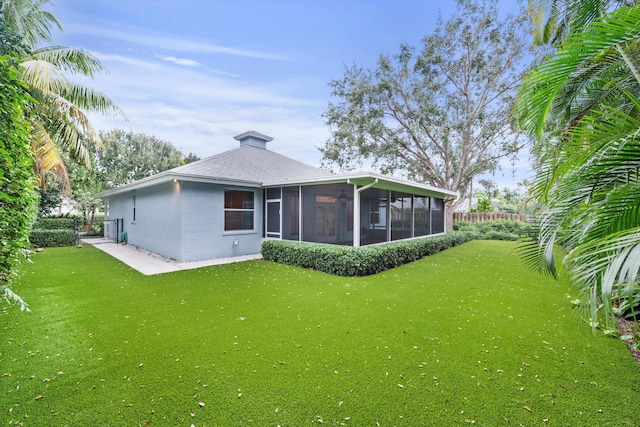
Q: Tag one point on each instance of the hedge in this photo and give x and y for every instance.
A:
(18, 199)
(362, 261)
(500, 229)
(51, 238)
(64, 223)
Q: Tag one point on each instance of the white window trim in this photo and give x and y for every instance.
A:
(253, 210)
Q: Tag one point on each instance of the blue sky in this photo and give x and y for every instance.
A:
(198, 72)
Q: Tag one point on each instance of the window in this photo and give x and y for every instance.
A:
(375, 213)
(134, 207)
(437, 215)
(238, 210)
(422, 216)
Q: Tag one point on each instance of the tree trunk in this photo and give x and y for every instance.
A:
(448, 217)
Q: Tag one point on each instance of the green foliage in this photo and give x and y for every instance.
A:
(189, 158)
(466, 335)
(42, 238)
(59, 231)
(59, 121)
(86, 183)
(582, 104)
(49, 200)
(500, 229)
(54, 223)
(412, 112)
(129, 156)
(484, 205)
(363, 261)
(18, 198)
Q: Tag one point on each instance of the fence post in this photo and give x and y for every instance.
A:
(487, 216)
(75, 231)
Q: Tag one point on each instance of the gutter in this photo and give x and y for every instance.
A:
(356, 209)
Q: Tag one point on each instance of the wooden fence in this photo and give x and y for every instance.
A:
(487, 216)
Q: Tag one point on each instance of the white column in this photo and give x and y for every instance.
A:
(300, 223)
(356, 216)
(388, 216)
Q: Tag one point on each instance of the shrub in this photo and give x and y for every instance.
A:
(501, 229)
(38, 236)
(62, 223)
(362, 261)
(18, 199)
(52, 238)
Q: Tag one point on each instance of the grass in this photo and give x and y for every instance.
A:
(467, 336)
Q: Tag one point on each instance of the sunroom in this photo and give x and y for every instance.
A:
(353, 209)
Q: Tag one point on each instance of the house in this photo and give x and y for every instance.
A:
(225, 205)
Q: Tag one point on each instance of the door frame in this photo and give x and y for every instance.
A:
(273, 234)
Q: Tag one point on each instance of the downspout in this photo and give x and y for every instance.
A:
(300, 223)
(388, 220)
(356, 209)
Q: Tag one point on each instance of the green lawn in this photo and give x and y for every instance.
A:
(467, 336)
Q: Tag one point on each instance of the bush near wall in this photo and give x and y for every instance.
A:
(495, 230)
(51, 238)
(59, 231)
(62, 223)
(362, 261)
(52, 232)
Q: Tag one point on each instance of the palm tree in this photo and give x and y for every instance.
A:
(583, 106)
(556, 19)
(59, 123)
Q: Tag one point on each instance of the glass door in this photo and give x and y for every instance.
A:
(273, 219)
(326, 222)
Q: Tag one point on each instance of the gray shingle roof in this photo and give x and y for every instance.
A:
(256, 167)
(251, 164)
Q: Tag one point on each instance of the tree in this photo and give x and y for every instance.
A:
(441, 116)
(59, 121)
(190, 158)
(86, 183)
(49, 200)
(129, 156)
(126, 157)
(484, 205)
(582, 104)
(17, 195)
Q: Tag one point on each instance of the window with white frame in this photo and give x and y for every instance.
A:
(239, 210)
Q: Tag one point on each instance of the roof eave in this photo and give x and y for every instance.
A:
(365, 178)
(169, 176)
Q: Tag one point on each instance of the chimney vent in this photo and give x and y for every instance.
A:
(253, 139)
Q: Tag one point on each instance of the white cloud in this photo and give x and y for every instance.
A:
(200, 110)
(142, 37)
(179, 61)
(106, 58)
(201, 105)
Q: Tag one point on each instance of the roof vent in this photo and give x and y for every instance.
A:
(253, 139)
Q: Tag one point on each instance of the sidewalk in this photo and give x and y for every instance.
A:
(149, 263)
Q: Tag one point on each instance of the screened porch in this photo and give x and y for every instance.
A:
(353, 212)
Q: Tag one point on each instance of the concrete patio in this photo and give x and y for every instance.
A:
(149, 263)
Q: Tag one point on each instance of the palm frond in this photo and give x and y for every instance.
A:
(554, 19)
(48, 159)
(43, 76)
(541, 86)
(89, 99)
(69, 128)
(28, 19)
(75, 61)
